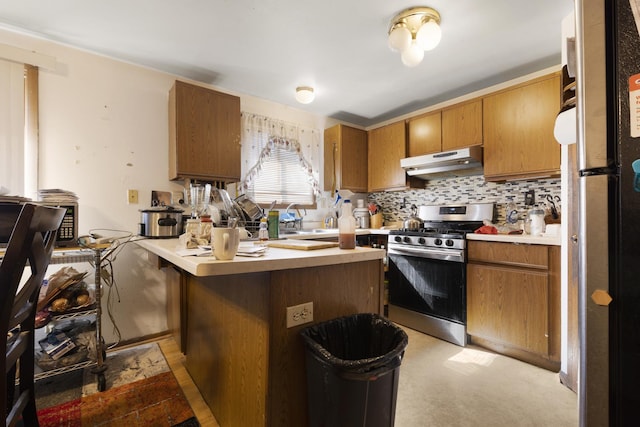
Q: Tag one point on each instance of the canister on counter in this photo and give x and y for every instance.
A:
(193, 227)
(362, 217)
(273, 220)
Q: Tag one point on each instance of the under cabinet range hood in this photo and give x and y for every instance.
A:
(449, 164)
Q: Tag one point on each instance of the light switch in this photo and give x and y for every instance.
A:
(132, 197)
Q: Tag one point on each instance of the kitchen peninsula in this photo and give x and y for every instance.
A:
(248, 365)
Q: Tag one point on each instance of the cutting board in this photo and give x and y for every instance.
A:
(304, 245)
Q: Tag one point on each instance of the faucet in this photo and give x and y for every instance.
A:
(297, 210)
(331, 220)
(295, 223)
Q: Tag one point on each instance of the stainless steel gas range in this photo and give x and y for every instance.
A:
(427, 270)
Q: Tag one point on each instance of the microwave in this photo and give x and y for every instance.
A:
(67, 233)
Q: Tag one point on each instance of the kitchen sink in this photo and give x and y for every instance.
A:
(309, 232)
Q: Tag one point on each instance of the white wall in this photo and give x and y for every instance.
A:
(103, 130)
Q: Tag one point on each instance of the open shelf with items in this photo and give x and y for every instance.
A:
(94, 254)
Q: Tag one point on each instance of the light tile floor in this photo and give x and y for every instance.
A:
(442, 384)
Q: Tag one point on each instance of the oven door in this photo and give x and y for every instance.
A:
(428, 295)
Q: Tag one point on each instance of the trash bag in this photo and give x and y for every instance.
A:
(353, 367)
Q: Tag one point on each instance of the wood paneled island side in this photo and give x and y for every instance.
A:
(247, 364)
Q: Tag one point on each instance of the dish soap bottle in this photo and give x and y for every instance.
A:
(346, 227)
(512, 211)
(263, 232)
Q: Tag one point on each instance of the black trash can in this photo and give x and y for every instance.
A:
(353, 366)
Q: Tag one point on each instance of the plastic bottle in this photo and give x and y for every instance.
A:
(512, 211)
(263, 232)
(346, 227)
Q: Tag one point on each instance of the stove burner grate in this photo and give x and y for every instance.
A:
(453, 229)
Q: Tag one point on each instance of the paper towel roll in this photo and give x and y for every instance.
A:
(565, 127)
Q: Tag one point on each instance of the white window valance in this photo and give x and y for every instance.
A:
(264, 137)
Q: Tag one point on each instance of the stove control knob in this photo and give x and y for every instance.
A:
(449, 242)
(437, 242)
(398, 239)
(407, 239)
(422, 240)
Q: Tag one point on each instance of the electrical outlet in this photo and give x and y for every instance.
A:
(177, 198)
(530, 198)
(299, 314)
(132, 196)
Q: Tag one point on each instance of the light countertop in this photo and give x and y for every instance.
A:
(509, 238)
(274, 259)
(333, 233)
(517, 238)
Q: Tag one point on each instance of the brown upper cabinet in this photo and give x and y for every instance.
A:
(345, 159)
(458, 126)
(462, 125)
(387, 145)
(204, 134)
(518, 131)
(425, 134)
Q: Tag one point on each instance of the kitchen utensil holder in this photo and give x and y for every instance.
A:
(376, 220)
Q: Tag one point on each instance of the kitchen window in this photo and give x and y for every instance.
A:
(278, 161)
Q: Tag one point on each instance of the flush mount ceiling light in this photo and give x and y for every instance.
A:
(413, 31)
(304, 94)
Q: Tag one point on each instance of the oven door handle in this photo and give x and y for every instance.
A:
(433, 253)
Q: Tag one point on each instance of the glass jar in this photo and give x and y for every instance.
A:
(192, 227)
(205, 228)
(537, 225)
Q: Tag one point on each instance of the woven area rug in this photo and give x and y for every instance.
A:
(141, 391)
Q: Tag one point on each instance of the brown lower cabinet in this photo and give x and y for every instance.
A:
(176, 281)
(513, 300)
(248, 366)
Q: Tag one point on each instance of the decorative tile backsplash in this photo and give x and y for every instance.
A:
(396, 206)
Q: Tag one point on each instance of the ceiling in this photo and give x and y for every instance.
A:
(266, 48)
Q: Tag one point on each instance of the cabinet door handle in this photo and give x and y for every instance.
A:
(601, 297)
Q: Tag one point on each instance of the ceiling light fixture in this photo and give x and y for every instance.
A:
(304, 94)
(413, 31)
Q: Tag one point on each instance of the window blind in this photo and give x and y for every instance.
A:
(282, 178)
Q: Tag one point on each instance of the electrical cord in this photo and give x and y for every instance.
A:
(111, 283)
(108, 256)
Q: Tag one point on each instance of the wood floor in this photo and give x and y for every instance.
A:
(176, 359)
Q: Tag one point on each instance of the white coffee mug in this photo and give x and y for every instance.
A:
(224, 242)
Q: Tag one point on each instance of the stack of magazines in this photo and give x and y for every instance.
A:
(55, 195)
